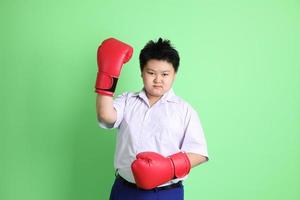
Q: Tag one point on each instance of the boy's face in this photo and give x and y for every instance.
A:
(158, 77)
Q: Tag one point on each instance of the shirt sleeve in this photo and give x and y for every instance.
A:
(194, 140)
(119, 105)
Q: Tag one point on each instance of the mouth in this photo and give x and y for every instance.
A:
(157, 86)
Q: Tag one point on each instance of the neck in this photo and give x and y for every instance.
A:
(152, 100)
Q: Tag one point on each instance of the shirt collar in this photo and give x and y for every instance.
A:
(169, 96)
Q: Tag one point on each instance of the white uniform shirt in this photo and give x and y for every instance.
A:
(169, 126)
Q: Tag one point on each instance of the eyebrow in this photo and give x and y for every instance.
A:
(149, 69)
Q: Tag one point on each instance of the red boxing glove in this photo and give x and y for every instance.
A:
(111, 56)
(151, 169)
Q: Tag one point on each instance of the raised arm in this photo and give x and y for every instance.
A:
(111, 56)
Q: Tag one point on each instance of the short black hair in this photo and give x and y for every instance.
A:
(162, 49)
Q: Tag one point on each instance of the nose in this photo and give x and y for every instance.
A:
(157, 79)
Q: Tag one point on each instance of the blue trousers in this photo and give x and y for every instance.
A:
(121, 191)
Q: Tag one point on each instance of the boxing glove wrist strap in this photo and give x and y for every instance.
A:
(105, 84)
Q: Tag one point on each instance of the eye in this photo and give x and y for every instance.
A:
(165, 74)
(150, 73)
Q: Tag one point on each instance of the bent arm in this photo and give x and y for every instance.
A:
(196, 159)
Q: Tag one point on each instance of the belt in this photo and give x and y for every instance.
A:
(132, 185)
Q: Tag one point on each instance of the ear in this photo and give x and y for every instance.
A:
(141, 73)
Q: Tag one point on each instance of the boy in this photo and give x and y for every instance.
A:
(160, 137)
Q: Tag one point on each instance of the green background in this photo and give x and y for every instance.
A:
(240, 69)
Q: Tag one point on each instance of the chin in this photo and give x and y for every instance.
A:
(156, 94)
